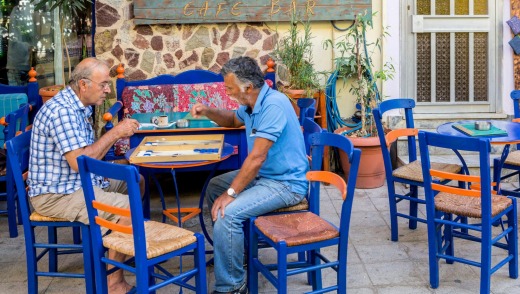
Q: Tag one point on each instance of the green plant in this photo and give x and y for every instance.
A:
(67, 10)
(294, 51)
(355, 66)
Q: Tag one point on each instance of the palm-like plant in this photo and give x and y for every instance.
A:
(355, 62)
(67, 9)
(294, 51)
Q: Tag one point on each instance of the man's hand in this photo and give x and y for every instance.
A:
(198, 110)
(126, 127)
(220, 204)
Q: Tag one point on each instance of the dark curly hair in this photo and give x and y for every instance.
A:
(246, 70)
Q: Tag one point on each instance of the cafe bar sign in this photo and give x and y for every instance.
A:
(215, 11)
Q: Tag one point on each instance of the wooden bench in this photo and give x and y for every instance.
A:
(173, 94)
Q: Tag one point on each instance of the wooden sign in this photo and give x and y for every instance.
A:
(205, 11)
(178, 148)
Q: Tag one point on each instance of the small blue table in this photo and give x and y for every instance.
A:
(512, 137)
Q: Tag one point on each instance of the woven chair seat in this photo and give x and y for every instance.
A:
(303, 205)
(296, 228)
(469, 206)
(160, 239)
(513, 158)
(413, 170)
(36, 217)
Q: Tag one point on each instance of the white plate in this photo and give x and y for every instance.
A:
(164, 127)
(148, 125)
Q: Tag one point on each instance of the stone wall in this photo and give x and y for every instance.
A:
(150, 50)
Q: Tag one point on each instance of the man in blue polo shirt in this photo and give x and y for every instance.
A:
(272, 176)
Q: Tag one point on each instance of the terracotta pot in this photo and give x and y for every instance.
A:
(49, 92)
(371, 173)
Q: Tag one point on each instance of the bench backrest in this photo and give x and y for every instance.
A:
(174, 93)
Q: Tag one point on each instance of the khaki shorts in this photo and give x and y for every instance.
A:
(73, 208)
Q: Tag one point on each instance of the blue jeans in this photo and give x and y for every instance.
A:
(259, 197)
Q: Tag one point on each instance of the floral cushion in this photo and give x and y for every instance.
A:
(175, 98)
(171, 98)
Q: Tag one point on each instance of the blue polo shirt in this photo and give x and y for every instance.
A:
(273, 118)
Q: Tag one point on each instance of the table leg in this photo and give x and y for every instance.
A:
(201, 203)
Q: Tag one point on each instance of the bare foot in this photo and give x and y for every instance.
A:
(119, 288)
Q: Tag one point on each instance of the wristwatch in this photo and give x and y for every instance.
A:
(231, 192)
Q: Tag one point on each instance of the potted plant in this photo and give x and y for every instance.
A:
(297, 77)
(355, 66)
(67, 9)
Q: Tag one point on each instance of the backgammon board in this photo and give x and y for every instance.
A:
(178, 148)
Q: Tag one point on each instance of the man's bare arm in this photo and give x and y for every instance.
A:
(224, 118)
(99, 149)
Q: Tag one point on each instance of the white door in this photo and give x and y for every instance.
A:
(453, 45)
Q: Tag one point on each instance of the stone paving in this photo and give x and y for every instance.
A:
(375, 264)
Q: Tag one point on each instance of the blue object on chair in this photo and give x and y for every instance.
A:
(18, 161)
(309, 127)
(408, 174)
(16, 122)
(444, 202)
(8, 104)
(512, 161)
(307, 108)
(149, 242)
(284, 231)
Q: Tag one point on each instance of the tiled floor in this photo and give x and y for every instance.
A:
(375, 264)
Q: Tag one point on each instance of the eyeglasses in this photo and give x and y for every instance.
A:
(103, 85)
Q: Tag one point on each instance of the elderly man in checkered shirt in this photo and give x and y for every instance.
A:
(61, 132)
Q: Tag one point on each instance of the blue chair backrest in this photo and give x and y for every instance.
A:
(309, 127)
(515, 95)
(17, 164)
(319, 141)
(405, 104)
(127, 173)
(470, 144)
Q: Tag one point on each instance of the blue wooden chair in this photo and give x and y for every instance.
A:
(15, 123)
(148, 243)
(408, 174)
(512, 162)
(307, 108)
(283, 231)
(446, 204)
(18, 162)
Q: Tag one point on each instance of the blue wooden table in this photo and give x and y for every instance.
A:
(512, 137)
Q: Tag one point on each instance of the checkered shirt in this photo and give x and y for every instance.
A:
(61, 125)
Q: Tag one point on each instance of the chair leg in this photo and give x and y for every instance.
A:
(252, 256)
(315, 274)
(11, 210)
(282, 269)
(200, 261)
(393, 212)
(76, 235)
(485, 263)
(100, 271)
(448, 236)
(53, 252)
(433, 247)
(87, 259)
(512, 222)
(412, 224)
(342, 269)
(32, 264)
